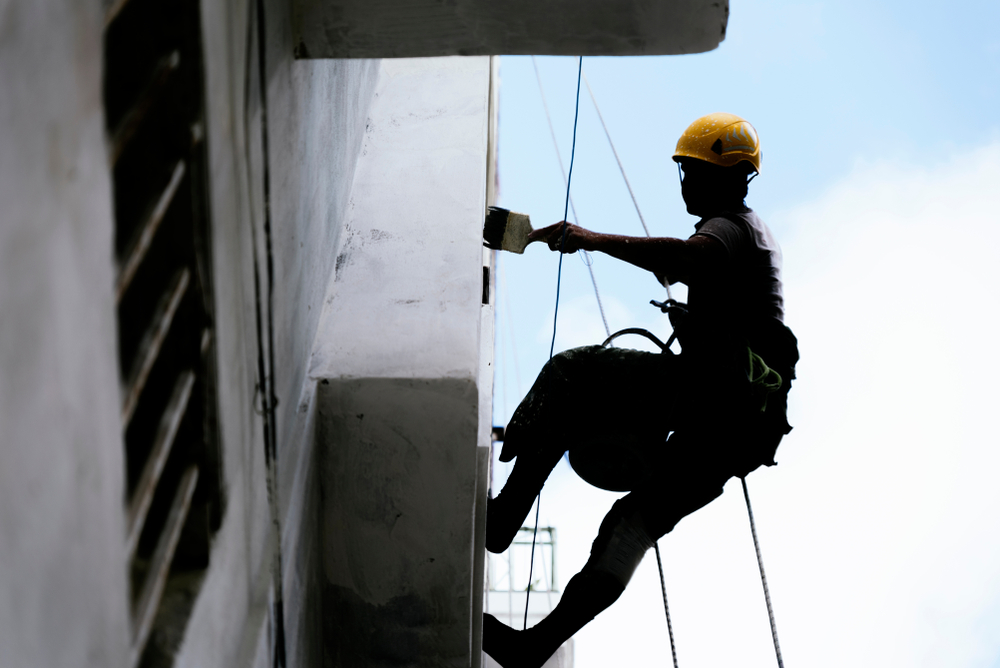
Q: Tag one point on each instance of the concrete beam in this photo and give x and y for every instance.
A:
(418, 28)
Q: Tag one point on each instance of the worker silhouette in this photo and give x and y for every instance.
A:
(685, 422)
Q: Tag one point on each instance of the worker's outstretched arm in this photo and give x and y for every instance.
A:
(675, 259)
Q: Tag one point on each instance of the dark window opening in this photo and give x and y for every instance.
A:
(154, 107)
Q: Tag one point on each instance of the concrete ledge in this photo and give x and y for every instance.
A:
(418, 28)
(398, 471)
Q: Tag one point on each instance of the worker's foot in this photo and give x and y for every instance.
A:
(511, 648)
(501, 527)
(506, 513)
(508, 451)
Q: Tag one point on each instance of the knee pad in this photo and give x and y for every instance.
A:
(620, 544)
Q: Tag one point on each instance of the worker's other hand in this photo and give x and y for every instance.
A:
(577, 238)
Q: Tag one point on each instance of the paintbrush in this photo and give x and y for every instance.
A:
(506, 230)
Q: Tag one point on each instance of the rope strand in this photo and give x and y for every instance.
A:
(531, 566)
(583, 255)
(617, 159)
(666, 608)
(621, 167)
(555, 317)
(569, 181)
(763, 578)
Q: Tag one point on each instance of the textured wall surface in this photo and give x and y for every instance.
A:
(399, 482)
(64, 580)
(316, 123)
(61, 487)
(398, 362)
(406, 293)
(63, 600)
(410, 28)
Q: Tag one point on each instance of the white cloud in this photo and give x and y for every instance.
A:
(881, 526)
(892, 282)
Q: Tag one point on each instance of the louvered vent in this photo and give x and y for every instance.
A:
(153, 96)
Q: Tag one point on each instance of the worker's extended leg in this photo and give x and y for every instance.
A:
(691, 480)
(616, 552)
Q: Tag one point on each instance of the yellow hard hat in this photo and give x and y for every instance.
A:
(721, 139)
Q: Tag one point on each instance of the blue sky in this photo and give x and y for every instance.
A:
(881, 140)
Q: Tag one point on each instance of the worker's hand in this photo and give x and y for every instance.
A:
(577, 237)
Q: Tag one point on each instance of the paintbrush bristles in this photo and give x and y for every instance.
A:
(506, 230)
(515, 237)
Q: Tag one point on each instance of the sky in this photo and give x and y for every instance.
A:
(880, 527)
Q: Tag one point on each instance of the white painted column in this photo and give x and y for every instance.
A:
(397, 362)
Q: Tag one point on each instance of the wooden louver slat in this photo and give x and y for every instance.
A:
(143, 238)
(142, 497)
(152, 341)
(133, 119)
(156, 578)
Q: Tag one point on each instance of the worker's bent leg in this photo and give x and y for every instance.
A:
(603, 393)
(590, 396)
(543, 414)
(506, 513)
(537, 436)
(630, 528)
(691, 474)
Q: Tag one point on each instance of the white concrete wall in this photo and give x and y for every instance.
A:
(352, 144)
(63, 599)
(317, 112)
(63, 572)
(398, 360)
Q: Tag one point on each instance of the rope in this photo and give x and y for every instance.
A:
(584, 255)
(531, 565)
(666, 608)
(562, 241)
(555, 317)
(619, 160)
(763, 578)
(621, 168)
(597, 293)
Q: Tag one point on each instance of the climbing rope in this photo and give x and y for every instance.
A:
(621, 168)
(617, 159)
(666, 608)
(555, 318)
(569, 181)
(584, 255)
(763, 578)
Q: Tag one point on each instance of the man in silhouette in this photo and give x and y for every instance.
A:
(686, 423)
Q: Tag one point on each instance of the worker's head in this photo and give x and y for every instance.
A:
(717, 154)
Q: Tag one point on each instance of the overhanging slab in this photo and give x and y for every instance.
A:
(419, 28)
